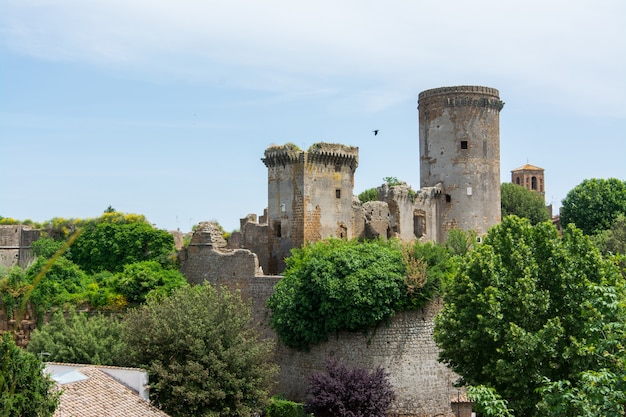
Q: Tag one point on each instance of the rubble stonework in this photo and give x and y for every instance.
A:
(207, 258)
(15, 245)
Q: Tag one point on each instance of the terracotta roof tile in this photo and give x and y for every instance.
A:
(100, 395)
(527, 167)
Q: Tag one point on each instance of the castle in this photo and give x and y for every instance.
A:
(310, 193)
(310, 198)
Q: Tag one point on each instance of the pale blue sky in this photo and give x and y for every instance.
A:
(164, 108)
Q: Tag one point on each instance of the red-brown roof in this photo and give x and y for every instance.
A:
(527, 167)
(99, 395)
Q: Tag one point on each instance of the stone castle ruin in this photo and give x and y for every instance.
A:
(311, 193)
(310, 198)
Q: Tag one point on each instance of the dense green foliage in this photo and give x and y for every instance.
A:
(280, 407)
(371, 194)
(25, 391)
(80, 338)
(203, 356)
(104, 279)
(336, 285)
(139, 280)
(108, 246)
(594, 204)
(523, 202)
(529, 308)
(487, 402)
(349, 392)
(612, 240)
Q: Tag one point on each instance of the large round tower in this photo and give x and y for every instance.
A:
(459, 134)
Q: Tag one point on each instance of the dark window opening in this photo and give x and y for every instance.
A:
(463, 144)
(419, 223)
(338, 168)
(517, 180)
(534, 183)
(277, 229)
(448, 198)
(338, 193)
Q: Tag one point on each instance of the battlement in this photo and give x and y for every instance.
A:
(335, 154)
(465, 95)
(461, 89)
(325, 153)
(282, 155)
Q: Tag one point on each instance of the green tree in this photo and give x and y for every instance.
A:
(371, 194)
(108, 245)
(63, 282)
(336, 285)
(46, 247)
(613, 240)
(80, 338)
(203, 355)
(140, 279)
(529, 307)
(523, 202)
(594, 204)
(25, 391)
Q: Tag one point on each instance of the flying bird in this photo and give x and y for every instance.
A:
(375, 132)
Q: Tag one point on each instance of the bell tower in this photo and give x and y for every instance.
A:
(531, 178)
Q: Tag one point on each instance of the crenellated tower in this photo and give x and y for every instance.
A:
(459, 135)
(309, 196)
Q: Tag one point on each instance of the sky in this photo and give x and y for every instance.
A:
(165, 108)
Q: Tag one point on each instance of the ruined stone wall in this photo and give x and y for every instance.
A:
(208, 259)
(15, 245)
(405, 348)
(23, 323)
(459, 135)
(376, 220)
(253, 236)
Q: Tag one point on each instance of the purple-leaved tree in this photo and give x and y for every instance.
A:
(345, 392)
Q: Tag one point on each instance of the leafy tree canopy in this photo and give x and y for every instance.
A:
(335, 285)
(141, 279)
(80, 338)
(523, 202)
(115, 240)
(613, 240)
(528, 307)
(370, 194)
(25, 391)
(594, 204)
(203, 356)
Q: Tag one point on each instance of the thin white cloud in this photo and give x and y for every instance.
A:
(288, 46)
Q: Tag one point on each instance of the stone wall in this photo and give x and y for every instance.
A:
(15, 245)
(404, 347)
(23, 323)
(207, 258)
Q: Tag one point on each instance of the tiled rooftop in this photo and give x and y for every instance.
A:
(527, 167)
(99, 395)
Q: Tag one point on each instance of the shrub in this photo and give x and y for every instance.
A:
(279, 407)
(79, 338)
(344, 392)
(336, 285)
